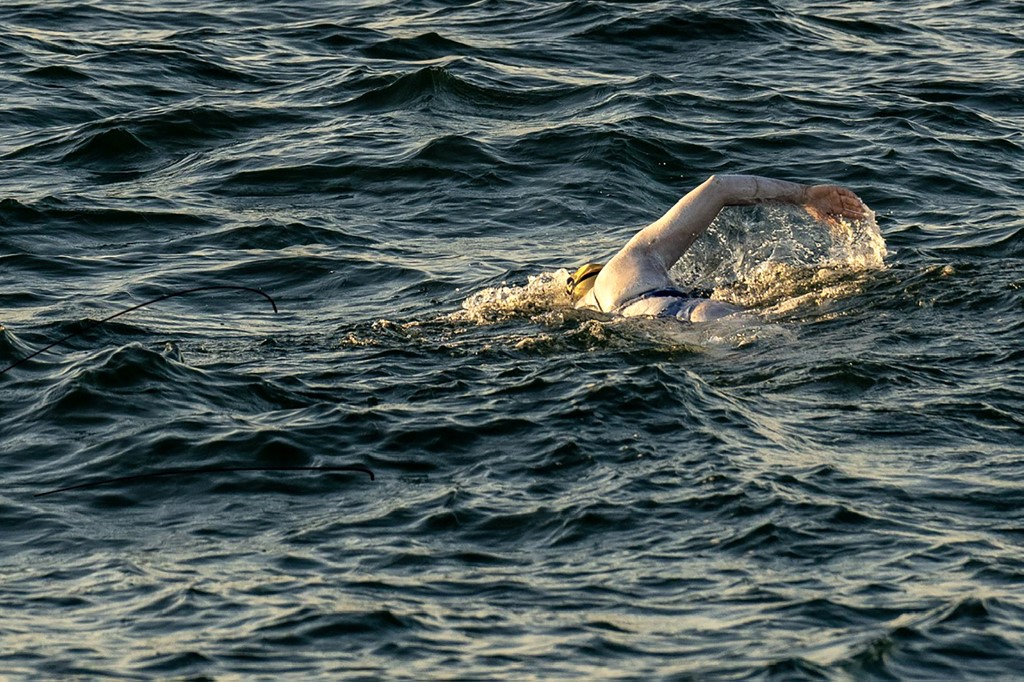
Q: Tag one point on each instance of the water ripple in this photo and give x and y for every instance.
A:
(825, 488)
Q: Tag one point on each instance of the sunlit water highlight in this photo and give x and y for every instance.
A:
(825, 487)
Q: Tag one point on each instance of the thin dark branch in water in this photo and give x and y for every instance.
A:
(356, 468)
(136, 307)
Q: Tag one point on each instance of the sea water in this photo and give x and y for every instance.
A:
(827, 487)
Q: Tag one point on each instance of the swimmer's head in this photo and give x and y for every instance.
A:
(581, 282)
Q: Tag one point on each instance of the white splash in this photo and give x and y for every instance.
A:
(777, 259)
(542, 295)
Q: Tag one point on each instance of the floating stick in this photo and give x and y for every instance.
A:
(136, 307)
(357, 468)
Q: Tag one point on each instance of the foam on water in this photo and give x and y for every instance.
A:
(537, 299)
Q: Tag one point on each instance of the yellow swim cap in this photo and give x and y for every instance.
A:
(581, 281)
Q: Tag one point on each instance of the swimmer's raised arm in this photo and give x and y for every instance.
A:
(670, 236)
(644, 262)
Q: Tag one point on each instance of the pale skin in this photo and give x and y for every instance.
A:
(644, 262)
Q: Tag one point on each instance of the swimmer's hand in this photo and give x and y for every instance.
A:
(828, 203)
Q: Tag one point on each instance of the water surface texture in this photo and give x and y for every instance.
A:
(829, 488)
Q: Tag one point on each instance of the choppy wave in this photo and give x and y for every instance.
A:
(825, 489)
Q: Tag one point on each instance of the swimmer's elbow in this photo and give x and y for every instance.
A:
(732, 190)
(724, 187)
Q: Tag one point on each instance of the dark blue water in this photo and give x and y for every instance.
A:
(831, 488)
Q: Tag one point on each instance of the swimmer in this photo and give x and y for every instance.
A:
(636, 281)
